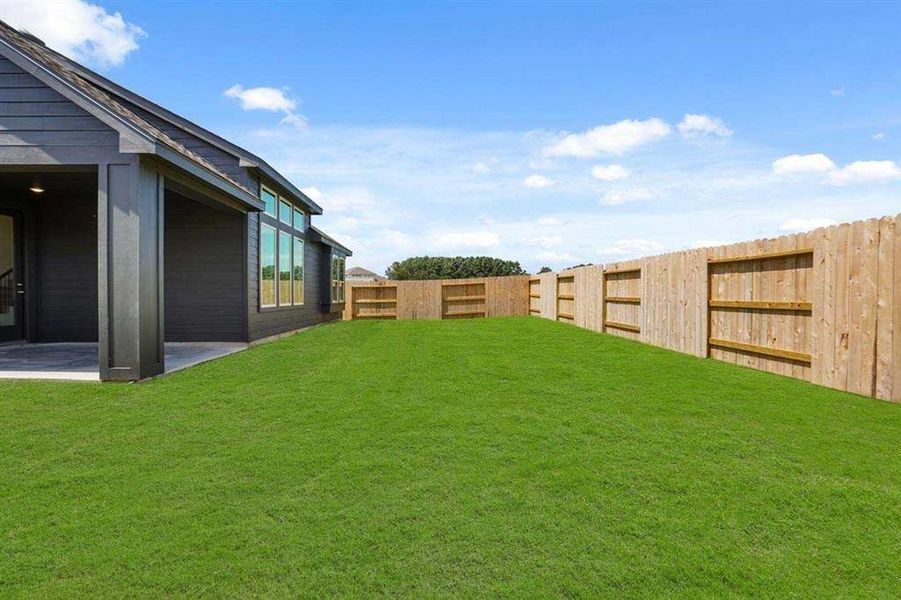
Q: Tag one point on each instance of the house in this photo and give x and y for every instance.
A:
(361, 275)
(125, 225)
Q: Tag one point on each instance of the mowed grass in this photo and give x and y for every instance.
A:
(515, 457)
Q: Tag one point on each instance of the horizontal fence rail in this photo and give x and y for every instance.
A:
(821, 306)
(438, 299)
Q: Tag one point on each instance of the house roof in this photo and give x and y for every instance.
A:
(64, 76)
(320, 236)
(246, 158)
(99, 95)
(361, 271)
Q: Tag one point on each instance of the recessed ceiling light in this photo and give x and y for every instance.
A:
(36, 189)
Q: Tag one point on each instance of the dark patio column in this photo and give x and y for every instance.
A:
(130, 270)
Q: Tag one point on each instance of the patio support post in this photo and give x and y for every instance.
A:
(130, 203)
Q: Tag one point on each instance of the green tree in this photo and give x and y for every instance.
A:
(544, 270)
(452, 267)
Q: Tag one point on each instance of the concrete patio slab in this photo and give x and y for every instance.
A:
(79, 362)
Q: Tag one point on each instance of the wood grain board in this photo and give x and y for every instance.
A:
(621, 300)
(437, 299)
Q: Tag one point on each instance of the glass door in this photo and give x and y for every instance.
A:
(12, 288)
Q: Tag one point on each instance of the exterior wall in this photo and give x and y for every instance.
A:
(204, 272)
(272, 321)
(40, 126)
(66, 267)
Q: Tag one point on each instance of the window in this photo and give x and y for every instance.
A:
(281, 251)
(284, 268)
(284, 213)
(269, 201)
(298, 271)
(267, 266)
(337, 278)
(334, 278)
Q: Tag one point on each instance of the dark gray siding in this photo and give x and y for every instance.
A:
(66, 267)
(204, 272)
(37, 122)
(267, 322)
(226, 161)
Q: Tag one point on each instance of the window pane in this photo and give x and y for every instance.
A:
(7, 272)
(298, 220)
(284, 269)
(285, 212)
(267, 266)
(269, 201)
(334, 278)
(298, 271)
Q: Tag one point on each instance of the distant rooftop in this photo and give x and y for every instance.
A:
(361, 273)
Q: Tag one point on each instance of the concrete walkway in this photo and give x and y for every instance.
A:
(79, 362)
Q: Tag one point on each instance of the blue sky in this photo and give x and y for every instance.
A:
(443, 129)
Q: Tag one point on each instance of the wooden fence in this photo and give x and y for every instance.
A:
(438, 299)
(820, 306)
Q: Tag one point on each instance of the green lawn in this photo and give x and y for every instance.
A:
(515, 457)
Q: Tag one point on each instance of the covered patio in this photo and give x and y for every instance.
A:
(79, 361)
(53, 272)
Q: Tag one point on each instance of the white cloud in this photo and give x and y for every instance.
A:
(553, 256)
(866, 171)
(295, 120)
(343, 199)
(459, 240)
(545, 241)
(549, 221)
(879, 136)
(806, 224)
(618, 197)
(837, 92)
(541, 163)
(261, 98)
(481, 168)
(75, 28)
(313, 192)
(803, 163)
(610, 172)
(268, 98)
(346, 223)
(693, 126)
(617, 138)
(633, 248)
(536, 181)
(861, 171)
(395, 240)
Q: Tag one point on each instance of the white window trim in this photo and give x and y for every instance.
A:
(277, 200)
(303, 269)
(338, 283)
(260, 270)
(278, 269)
(281, 203)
